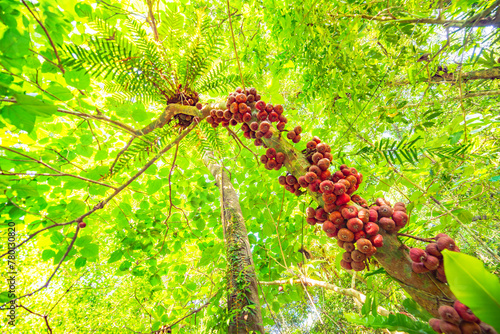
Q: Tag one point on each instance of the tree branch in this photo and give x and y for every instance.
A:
(343, 291)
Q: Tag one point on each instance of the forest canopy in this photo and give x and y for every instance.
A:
(250, 166)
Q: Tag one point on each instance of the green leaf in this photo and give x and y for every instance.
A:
(155, 279)
(115, 256)
(78, 79)
(80, 262)
(62, 93)
(25, 190)
(4, 297)
(48, 254)
(394, 322)
(474, 286)
(30, 104)
(90, 250)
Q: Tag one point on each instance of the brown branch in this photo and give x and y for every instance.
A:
(343, 291)
(484, 22)
(53, 273)
(486, 74)
(416, 238)
(46, 33)
(54, 169)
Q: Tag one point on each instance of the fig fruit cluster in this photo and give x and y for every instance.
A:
(389, 218)
(290, 183)
(272, 159)
(431, 258)
(459, 319)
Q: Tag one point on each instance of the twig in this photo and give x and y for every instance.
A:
(46, 33)
(234, 45)
(416, 238)
(56, 170)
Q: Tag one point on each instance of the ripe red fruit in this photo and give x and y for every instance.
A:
(348, 246)
(242, 108)
(357, 256)
(358, 266)
(311, 221)
(315, 169)
(328, 198)
(434, 323)
(345, 235)
(310, 177)
(355, 224)
(310, 212)
(260, 105)
(282, 118)
(418, 268)
(385, 211)
(321, 148)
(273, 117)
(347, 257)
(464, 312)
(268, 134)
(449, 314)
(296, 139)
(470, 328)
(82, 224)
(314, 186)
(329, 156)
(317, 157)
(311, 145)
(245, 128)
(289, 187)
(261, 116)
(321, 214)
(291, 180)
(345, 265)
(349, 212)
(247, 117)
(342, 199)
(325, 175)
(339, 189)
(271, 153)
(271, 163)
(233, 122)
(291, 135)
(400, 218)
(282, 180)
(445, 243)
(247, 135)
(336, 218)
(258, 141)
(264, 159)
(264, 126)
(433, 250)
(377, 240)
(346, 172)
(326, 187)
(316, 139)
(227, 115)
(297, 129)
(278, 109)
(418, 255)
(371, 229)
(234, 108)
(431, 262)
(324, 164)
(330, 207)
(360, 234)
(364, 245)
(328, 227)
(363, 214)
(352, 180)
(280, 126)
(269, 107)
(280, 157)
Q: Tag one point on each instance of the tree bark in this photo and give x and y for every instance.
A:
(393, 257)
(243, 299)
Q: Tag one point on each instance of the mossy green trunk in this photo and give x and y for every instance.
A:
(243, 296)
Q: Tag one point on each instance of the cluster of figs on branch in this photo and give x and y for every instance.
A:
(459, 319)
(431, 259)
(345, 216)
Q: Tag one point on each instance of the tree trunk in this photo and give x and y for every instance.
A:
(393, 257)
(243, 299)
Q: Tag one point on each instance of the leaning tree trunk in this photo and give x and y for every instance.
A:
(243, 299)
(393, 257)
